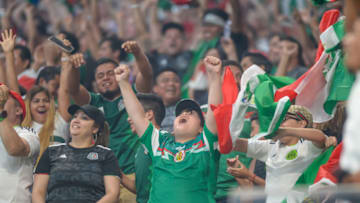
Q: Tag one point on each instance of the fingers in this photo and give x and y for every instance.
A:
(212, 60)
(77, 60)
(131, 46)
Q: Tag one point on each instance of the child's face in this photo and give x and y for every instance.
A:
(187, 123)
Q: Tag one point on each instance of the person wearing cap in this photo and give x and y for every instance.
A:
(287, 155)
(81, 170)
(19, 148)
(184, 163)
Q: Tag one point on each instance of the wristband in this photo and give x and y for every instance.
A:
(65, 59)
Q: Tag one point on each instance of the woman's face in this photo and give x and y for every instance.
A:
(39, 107)
(82, 125)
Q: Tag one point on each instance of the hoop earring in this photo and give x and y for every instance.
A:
(95, 137)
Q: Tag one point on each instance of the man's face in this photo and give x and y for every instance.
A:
(173, 41)
(211, 31)
(168, 87)
(246, 63)
(187, 123)
(274, 52)
(19, 63)
(292, 121)
(105, 79)
(52, 85)
(105, 51)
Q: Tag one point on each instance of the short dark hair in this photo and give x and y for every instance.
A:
(25, 53)
(48, 73)
(300, 54)
(254, 116)
(172, 25)
(115, 44)
(218, 12)
(154, 103)
(260, 60)
(230, 63)
(102, 61)
(166, 69)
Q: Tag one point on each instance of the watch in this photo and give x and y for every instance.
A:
(3, 115)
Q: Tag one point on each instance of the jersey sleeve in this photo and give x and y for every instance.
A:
(258, 149)
(30, 136)
(312, 149)
(44, 163)
(110, 165)
(210, 137)
(95, 99)
(152, 138)
(61, 131)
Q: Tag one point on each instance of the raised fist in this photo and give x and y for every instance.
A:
(131, 47)
(212, 64)
(122, 73)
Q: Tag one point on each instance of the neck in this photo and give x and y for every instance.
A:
(111, 95)
(81, 142)
(183, 139)
(291, 141)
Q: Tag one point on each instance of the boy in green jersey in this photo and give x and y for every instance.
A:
(184, 162)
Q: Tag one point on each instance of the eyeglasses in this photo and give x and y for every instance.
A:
(291, 116)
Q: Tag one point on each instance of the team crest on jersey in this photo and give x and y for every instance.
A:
(179, 156)
(93, 156)
(292, 155)
(121, 105)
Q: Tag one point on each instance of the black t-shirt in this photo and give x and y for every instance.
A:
(77, 175)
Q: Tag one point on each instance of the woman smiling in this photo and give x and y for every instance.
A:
(82, 170)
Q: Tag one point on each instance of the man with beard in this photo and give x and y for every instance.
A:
(110, 101)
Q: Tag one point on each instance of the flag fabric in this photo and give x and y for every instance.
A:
(325, 175)
(257, 91)
(327, 81)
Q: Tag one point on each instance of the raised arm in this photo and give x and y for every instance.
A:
(13, 143)
(75, 61)
(317, 137)
(71, 76)
(132, 104)
(145, 74)
(8, 44)
(213, 67)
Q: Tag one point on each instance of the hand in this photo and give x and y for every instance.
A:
(131, 47)
(212, 64)
(77, 60)
(330, 141)
(8, 40)
(240, 172)
(228, 45)
(122, 73)
(233, 162)
(4, 95)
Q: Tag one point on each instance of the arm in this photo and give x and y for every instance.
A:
(128, 183)
(241, 145)
(64, 89)
(243, 175)
(40, 188)
(112, 188)
(145, 75)
(30, 23)
(238, 19)
(213, 67)
(317, 137)
(13, 143)
(2, 73)
(132, 104)
(8, 44)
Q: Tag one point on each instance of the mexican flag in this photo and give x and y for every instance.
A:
(257, 91)
(328, 81)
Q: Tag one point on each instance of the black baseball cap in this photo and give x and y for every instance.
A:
(189, 104)
(93, 112)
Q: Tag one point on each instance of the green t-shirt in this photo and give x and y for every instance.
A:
(143, 175)
(122, 142)
(181, 172)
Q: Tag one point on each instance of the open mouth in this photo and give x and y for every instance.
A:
(42, 111)
(182, 120)
(107, 84)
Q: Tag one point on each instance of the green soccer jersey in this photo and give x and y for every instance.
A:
(121, 142)
(181, 172)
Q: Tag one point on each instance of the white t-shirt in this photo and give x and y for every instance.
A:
(16, 173)
(61, 132)
(284, 165)
(350, 156)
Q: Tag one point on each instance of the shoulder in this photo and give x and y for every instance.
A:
(22, 129)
